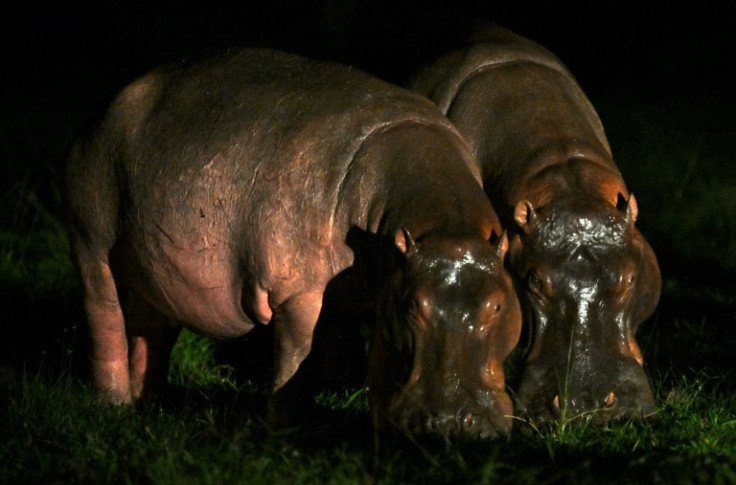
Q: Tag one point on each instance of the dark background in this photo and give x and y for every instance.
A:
(675, 49)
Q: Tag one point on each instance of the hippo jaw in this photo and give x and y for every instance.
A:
(447, 320)
(586, 280)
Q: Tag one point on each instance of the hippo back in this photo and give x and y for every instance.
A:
(247, 139)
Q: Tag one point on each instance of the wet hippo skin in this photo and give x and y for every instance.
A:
(585, 275)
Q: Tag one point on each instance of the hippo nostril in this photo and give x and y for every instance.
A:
(610, 400)
(556, 402)
(468, 421)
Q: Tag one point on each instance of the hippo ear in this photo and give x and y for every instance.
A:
(524, 215)
(632, 209)
(514, 249)
(502, 245)
(404, 241)
(629, 207)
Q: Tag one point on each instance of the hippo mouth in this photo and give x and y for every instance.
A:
(598, 408)
(609, 411)
(463, 423)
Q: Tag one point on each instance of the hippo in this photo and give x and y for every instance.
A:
(238, 190)
(585, 275)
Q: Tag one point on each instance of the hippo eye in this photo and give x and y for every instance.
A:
(419, 305)
(534, 283)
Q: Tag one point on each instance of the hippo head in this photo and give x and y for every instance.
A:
(447, 319)
(586, 280)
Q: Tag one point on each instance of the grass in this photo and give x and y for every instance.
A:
(207, 428)
(55, 430)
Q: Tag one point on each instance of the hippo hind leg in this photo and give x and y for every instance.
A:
(124, 361)
(106, 324)
(151, 336)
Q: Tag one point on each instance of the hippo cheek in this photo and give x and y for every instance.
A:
(635, 397)
(650, 286)
(536, 394)
(387, 376)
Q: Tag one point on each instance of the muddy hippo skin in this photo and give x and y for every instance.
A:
(585, 275)
(220, 196)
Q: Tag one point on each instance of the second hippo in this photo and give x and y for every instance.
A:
(586, 276)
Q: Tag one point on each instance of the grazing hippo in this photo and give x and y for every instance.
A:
(585, 275)
(236, 191)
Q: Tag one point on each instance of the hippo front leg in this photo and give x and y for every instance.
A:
(294, 323)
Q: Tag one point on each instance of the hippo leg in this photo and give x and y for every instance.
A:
(294, 323)
(151, 335)
(109, 352)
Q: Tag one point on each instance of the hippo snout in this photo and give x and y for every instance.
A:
(469, 422)
(608, 387)
(601, 406)
(596, 405)
(462, 425)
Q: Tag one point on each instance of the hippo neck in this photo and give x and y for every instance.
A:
(424, 183)
(569, 170)
(584, 178)
(540, 122)
(552, 165)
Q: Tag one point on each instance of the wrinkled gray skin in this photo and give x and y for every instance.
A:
(585, 275)
(222, 195)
